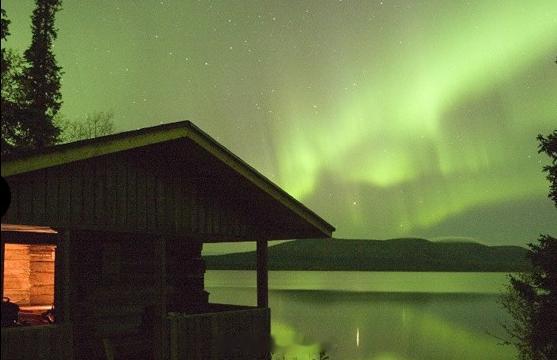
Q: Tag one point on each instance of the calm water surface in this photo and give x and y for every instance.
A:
(376, 315)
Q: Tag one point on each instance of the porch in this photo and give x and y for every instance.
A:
(225, 331)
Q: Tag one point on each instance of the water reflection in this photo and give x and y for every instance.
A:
(289, 343)
(380, 325)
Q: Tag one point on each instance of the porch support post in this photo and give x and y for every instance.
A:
(63, 289)
(66, 288)
(262, 275)
(160, 322)
(62, 276)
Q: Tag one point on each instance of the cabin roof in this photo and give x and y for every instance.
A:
(130, 140)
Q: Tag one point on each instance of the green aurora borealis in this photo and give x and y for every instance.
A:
(388, 118)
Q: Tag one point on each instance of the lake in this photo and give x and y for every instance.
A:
(376, 315)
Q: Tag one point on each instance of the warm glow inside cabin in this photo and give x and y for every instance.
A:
(28, 274)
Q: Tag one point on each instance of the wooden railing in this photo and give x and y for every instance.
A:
(226, 332)
(37, 342)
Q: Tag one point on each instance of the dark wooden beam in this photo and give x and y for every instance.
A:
(28, 238)
(2, 262)
(262, 275)
(62, 276)
(160, 325)
(63, 287)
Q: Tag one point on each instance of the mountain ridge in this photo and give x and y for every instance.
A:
(401, 254)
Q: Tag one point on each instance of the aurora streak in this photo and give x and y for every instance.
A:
(388, 118)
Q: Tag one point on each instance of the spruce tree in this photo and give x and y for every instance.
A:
(11, 65)
(532, 297)
(41, 79)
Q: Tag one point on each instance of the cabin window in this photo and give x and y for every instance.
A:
(28, 287)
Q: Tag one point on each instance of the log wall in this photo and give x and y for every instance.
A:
(29, 274)
(17, 273)
(42, 274)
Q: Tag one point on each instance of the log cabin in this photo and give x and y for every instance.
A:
(108, 232)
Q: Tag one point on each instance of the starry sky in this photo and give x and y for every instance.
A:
(387, 118)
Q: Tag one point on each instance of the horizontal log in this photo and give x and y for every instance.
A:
(36, 249)
(48, 257)
(14, 264)
(42, 290)
(15, 255)
(41, 299)
(41, 278)
(18, 283)
(43, 267)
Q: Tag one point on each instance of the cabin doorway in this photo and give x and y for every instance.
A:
(28, 279)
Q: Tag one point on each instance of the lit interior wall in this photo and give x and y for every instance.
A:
(29, 274)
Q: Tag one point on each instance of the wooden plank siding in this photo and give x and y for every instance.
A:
(64, 197)
(145, 190)
(151, 202)
(230, 332)
(26, 199)
(75, 172)
(123, 194)
(100, 186)
(110, 191)
(36, 342)
(120, 208)
(52, 193)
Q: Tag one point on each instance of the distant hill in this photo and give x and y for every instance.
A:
(379, 255)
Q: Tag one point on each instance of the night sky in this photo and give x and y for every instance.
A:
(387, 118)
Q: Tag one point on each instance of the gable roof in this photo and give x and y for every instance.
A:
(129, 140)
